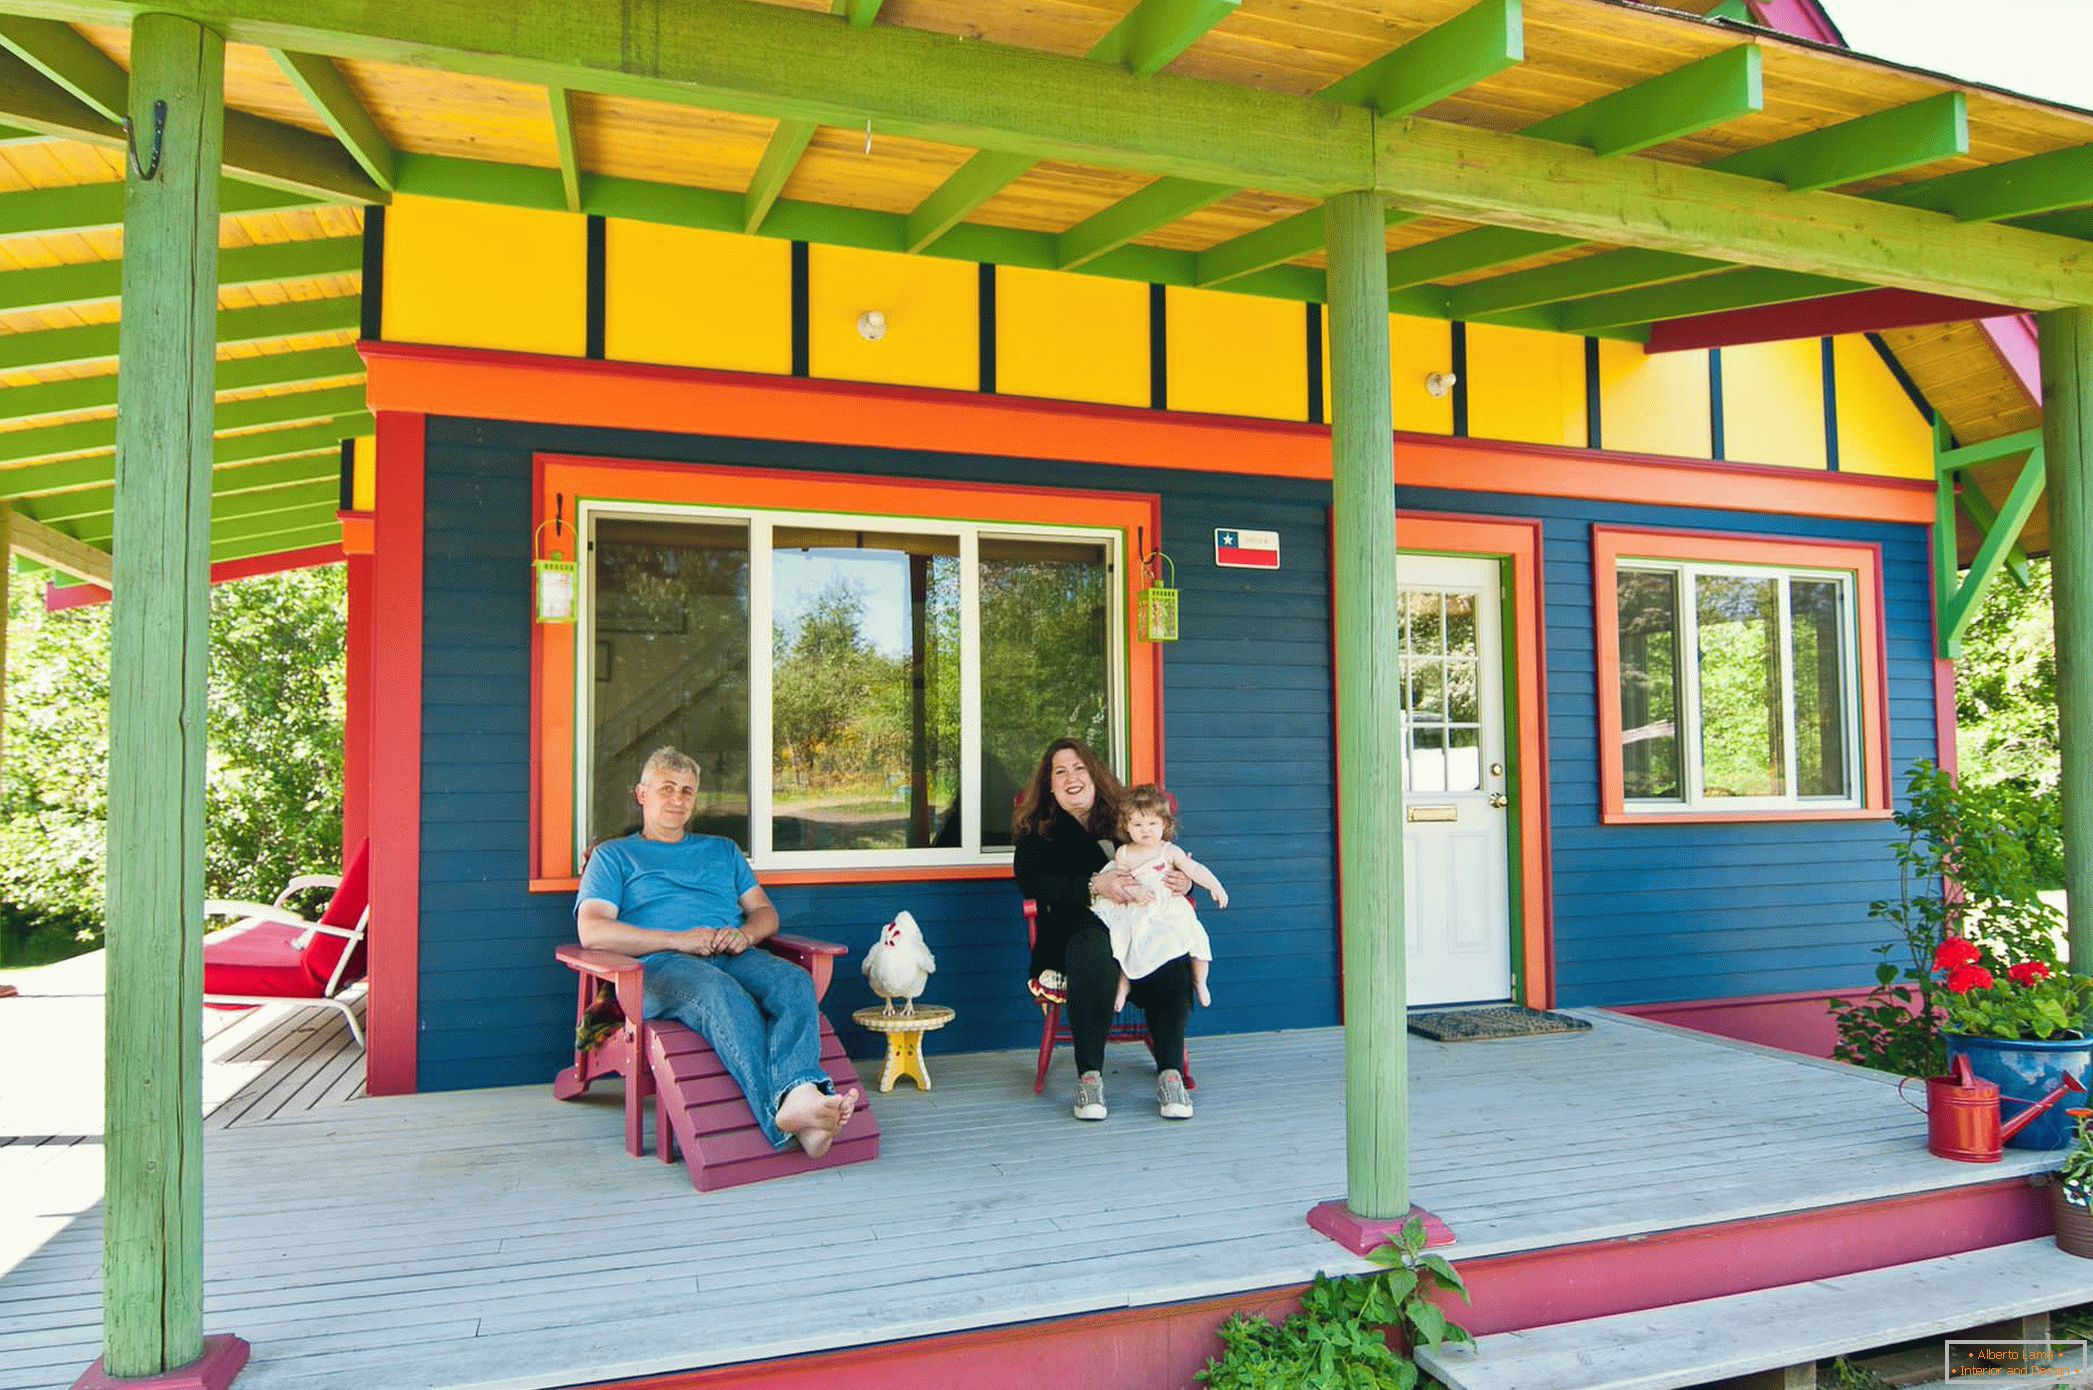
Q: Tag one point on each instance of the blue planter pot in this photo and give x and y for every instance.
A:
(2025, 1072)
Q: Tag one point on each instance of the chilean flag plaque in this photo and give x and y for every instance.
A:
(1246, 550)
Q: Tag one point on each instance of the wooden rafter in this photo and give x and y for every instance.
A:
(1957, 596)
(48, 287)
(64, 57)
(562, 103)
(233, 374)
(95, 470)
(71, 347)
(94, 207)
(53, 549)
(324, 88)
(54, 441)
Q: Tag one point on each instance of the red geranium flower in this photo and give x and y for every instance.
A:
(1964, 978)
(1953, 953)
(2028, 972)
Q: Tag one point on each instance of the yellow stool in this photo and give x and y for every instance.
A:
(904, 1040)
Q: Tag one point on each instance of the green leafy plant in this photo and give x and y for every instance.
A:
(1970, 866)
(2075, 1176)
(1844, 1375)
(1984, 998)
(1340, 1338)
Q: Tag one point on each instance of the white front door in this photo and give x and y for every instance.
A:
(1456, 869)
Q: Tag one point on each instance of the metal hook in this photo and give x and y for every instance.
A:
(150, 171)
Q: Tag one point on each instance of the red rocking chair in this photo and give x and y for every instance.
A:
(1050, 1004)
(697, 1106)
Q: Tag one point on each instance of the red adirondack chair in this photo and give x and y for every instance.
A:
(274, 956)
(698, 1108)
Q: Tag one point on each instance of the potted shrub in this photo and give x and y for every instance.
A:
(2071, 1200)
(2022, 1026)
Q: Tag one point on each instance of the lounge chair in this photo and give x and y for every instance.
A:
(271, 955)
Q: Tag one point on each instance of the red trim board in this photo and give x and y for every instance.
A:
(1610, 544)
(394, 1007)
(356, 704)
(685, 400)
(1865, 311)
(59, 597)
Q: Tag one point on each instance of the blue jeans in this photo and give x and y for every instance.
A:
(756, 1010)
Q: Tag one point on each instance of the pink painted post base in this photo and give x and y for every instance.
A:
(1362, 1236)
(8, 991)
(222, 1359)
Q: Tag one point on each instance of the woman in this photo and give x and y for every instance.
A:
(1071, 805)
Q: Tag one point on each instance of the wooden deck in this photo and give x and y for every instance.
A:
(499, 1238)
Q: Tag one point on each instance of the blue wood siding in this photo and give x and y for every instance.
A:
(1641, 914)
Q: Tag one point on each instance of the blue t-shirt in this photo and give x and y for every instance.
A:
(696, 882)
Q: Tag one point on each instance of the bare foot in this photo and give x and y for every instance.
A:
(813, 1117)
(1119, 999)
(1206, 1000)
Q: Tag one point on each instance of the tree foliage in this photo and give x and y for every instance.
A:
(2006, 686)
(274, 760)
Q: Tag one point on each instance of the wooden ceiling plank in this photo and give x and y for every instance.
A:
(224, 552)
(50, 441)
(232, 374)
(96, 470)
(51, 286)
(1592, 275)
(64, 56)
(312, 503)
(93, 207)
(78, 510)
(2018, 188)
(787, 143)
(54, 348)
(562, 103)
(1886, 142)
(324, 88)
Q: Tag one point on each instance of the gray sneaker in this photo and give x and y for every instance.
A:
(1172, 1099)
(1090, 1097)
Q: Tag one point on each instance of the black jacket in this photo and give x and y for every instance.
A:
(1054, 870)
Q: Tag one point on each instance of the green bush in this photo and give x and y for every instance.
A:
(274, 761)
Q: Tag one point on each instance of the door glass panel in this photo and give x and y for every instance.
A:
(669, 665)
(1648, 605)
(1817, 637)
(1742, 752)
(864, 690)
(1441, 674)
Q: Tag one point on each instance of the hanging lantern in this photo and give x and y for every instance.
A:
(555, 579)
(1155, 608)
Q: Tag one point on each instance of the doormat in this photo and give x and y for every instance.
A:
(1494, 1021)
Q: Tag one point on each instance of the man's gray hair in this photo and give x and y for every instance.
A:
(667, 759)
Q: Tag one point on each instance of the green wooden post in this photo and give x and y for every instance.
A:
(152, 1248)
(1369, 777)
(2067, 440)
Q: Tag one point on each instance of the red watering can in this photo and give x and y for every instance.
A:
(1962, 1114)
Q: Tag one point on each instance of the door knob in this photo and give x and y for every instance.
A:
(1499, 800)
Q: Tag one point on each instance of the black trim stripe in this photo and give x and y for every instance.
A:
(1592, 432)
(372, 308)
(598, 263)
(799, 308)
(348, 497)
(1158, 349)
(1460, 380)
(1828, 357)
(988, 328)
(1315, 364)
(1715, 440)
(1911, 388)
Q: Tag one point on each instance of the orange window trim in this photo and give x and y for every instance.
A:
(742, 405)
(1610, 545)
(563, 482)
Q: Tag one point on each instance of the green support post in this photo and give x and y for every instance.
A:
(152, 1247)
(1369, 775)
(2067, 439)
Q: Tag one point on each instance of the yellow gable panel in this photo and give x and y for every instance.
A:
(1416, 349)
(1773, 404)
(1653, 403)
(696, 299)
(1880, 429)
(363, 475)
(932, 312)
(1071, 337)
(472, 275)
(1525, 386)
(1231, 354)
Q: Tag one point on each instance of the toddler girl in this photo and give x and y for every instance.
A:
(1161, 926)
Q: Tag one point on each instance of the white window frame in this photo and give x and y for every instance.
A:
(761, 524)
(1686, 575)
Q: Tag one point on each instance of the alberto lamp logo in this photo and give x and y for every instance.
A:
(553, 579)
(1155, 610)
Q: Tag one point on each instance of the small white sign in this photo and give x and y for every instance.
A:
(1236, 549)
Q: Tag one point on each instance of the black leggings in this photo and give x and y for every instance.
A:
(1164, 996)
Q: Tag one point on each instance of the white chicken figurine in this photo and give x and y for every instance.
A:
(899, 965)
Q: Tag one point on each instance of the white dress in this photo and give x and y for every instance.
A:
(1153, 933)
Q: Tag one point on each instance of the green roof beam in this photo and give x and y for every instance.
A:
(49, 287)
(1465, 252)
(324, 88)
(53, 441)
(1592, 275)
(981, 178)
(562, 103)
(2018, 188)
(64, 56)
(787, 143)
(71, 347)
(1477, 43)
(1866, 147)
(312, 499)
(1708, 294)
(279, 544)
(92, 207)
(1136, 215)
(96, 470)
(233, 374)
(1684, 101)
(82, 508)
(1155, 32)
(1947, 461)
(860, 13)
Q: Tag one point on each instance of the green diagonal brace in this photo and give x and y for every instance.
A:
(1985, 518)
(1956, 600)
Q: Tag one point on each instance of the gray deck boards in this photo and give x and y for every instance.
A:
(499, 1238)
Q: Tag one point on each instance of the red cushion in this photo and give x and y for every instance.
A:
(261, 960)
(344, 910)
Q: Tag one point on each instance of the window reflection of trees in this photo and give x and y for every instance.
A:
(1045, 634)
(1648, 606)
(1742, 752)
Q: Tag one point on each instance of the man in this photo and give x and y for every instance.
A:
(689, 907)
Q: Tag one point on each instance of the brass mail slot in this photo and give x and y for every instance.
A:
(1434, 813)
